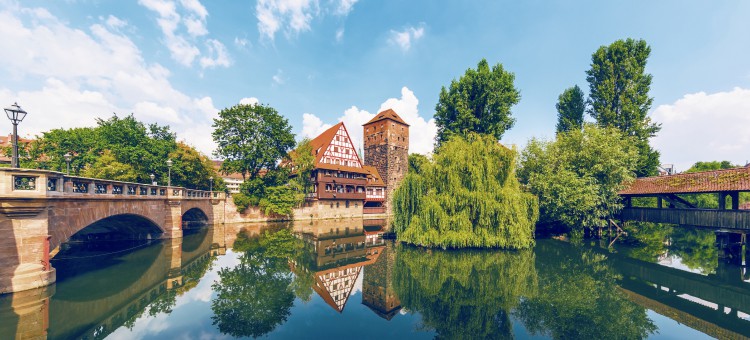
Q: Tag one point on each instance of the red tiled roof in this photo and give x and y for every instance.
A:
(737, 179)
(372, 172)
(324, 140)
(387, 114)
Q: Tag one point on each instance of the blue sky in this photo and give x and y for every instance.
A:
(318, 62)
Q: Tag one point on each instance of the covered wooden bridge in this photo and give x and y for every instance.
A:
(671, 207)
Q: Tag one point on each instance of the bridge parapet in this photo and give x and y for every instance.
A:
(31, 183)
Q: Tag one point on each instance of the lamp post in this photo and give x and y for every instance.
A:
(169, 178)
(152, 179)
(211, 186)
(68, 157)
(16, 114)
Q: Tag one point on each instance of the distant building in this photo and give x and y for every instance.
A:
(666, 169)
(340, 176)
(233, 181)
(386, 141)
(7, 142)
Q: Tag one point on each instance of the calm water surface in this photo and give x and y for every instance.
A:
(342, 280)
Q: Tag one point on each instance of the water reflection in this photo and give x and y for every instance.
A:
(578, 297)
(467, 293)
(341, 279)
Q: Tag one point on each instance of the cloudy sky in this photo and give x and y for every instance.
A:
(322, 61)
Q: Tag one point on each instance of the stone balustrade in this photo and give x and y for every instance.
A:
(31, 183)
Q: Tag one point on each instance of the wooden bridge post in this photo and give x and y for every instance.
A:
(735, 200)
(722, 201)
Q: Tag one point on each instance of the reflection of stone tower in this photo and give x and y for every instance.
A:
(386, 140)
(377, 285)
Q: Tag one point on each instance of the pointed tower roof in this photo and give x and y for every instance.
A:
(387, 114)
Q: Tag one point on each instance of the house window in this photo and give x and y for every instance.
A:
(347, 203)
(337, 204)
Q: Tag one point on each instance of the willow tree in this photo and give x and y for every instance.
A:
(466, 196)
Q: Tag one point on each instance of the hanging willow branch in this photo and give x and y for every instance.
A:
(467, 196)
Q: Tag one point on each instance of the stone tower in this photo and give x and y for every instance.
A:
(386, 141)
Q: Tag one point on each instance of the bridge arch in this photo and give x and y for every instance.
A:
(194, 218)
(119, 227)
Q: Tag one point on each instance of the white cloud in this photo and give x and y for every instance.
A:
(182, 26)
(249, 101)
(115, 22)
(312, 126)
(344, 7)
(421, 132)
(340, 34)
(704, 127)
(405, 38)
(241, 42)
(71, 76)
(278, 78)
(217, 55)
(295, 16)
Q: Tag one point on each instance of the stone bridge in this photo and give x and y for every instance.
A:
(40, 210)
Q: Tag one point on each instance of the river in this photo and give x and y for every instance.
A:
(342, 279)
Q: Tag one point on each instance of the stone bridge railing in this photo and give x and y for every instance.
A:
(29, 183)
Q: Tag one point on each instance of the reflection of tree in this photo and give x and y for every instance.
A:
(256, 296)
(650, 239)
(697, 248)
(578, 298)
(464, 293)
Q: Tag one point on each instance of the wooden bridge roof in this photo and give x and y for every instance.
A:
(728, 180)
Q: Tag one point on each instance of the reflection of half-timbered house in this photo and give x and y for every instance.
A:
(339, 252)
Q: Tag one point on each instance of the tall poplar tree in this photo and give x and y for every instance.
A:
(478, 102)
(570, 108)
(619, 98)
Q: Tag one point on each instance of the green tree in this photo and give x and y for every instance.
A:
(106, 166)
(480, 102)
(467, 196)
(303, 162)
(192, 169)
(251, 138)
(570, 108)
(417, 162)
(711, 201)
(467, 293)
(577, 176)
(618, 97)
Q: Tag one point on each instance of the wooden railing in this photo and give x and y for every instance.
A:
(712, 218)
(35, 183)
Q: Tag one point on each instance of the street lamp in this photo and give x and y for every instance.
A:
(68, 157)
(16, 114)
(152, 179)
(211, 185)
(169, 178)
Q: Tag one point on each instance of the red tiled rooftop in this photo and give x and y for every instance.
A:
(387, 114)
(737, 179)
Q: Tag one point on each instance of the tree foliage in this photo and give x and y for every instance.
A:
(417, 162)
(619, 98)
(570, 108)
(577, 176)
(464, 294)
(467, 196)
(251, 138)
(123, 149)
(480, 101)
(303, 161)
